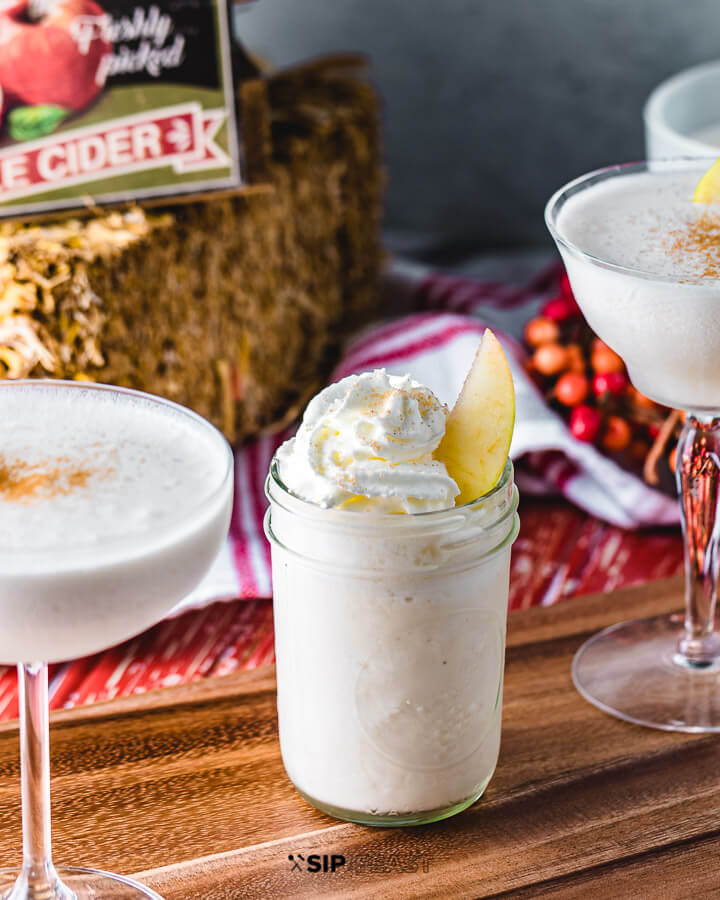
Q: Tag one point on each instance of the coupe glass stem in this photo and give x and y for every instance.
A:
(698, 478)
(38, 879)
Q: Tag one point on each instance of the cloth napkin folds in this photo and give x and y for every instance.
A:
(436, 345)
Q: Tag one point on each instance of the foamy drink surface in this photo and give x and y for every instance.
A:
(82, 468)
(646, 222)
(647, 276)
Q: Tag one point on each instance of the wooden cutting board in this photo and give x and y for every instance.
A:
(185, 787)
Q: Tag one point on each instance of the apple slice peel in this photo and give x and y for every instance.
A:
(479, 429)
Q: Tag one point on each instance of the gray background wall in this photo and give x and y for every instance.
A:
(492, 104)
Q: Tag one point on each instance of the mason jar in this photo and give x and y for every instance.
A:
(390, 647)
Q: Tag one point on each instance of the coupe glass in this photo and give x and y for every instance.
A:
(662, 672)
(166, 564)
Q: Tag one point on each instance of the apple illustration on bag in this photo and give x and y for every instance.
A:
(41, 61)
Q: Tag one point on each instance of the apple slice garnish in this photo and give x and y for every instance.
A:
(708, 188)
(479, 429)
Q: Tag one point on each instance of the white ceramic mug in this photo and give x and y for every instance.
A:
(680, 111)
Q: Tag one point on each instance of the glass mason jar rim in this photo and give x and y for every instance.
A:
(343, 518)
(582, 182)
(460, 529)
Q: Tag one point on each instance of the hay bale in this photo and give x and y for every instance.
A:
(233, 304)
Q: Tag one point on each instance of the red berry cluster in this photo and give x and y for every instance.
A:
(587, 382)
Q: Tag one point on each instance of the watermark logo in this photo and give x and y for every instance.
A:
(316, 862)
(361, 864)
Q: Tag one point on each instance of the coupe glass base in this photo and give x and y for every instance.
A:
(633, 671)
(84, 883)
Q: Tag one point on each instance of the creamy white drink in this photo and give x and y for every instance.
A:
(644, 263)
(112, 507)
(390, 608)
(641, 243)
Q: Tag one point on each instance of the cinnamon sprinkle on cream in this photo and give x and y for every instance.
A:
(700, 240)
(22, 482)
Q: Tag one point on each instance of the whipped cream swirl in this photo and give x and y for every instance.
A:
(366, 443)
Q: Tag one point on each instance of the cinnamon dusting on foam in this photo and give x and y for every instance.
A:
(700, 240)
(22, 482)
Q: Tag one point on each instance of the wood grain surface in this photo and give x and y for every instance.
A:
(185, 786)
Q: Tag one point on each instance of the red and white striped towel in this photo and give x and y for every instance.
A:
(436, 345)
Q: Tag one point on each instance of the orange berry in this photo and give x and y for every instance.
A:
(617, 434)
(571, 388)
(541, 330)
(550, 359)
(604, 360)
(576, 359)
(640, 399)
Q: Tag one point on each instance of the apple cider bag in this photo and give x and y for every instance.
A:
(114, 99)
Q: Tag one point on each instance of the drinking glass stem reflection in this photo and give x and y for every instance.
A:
(698, 480)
